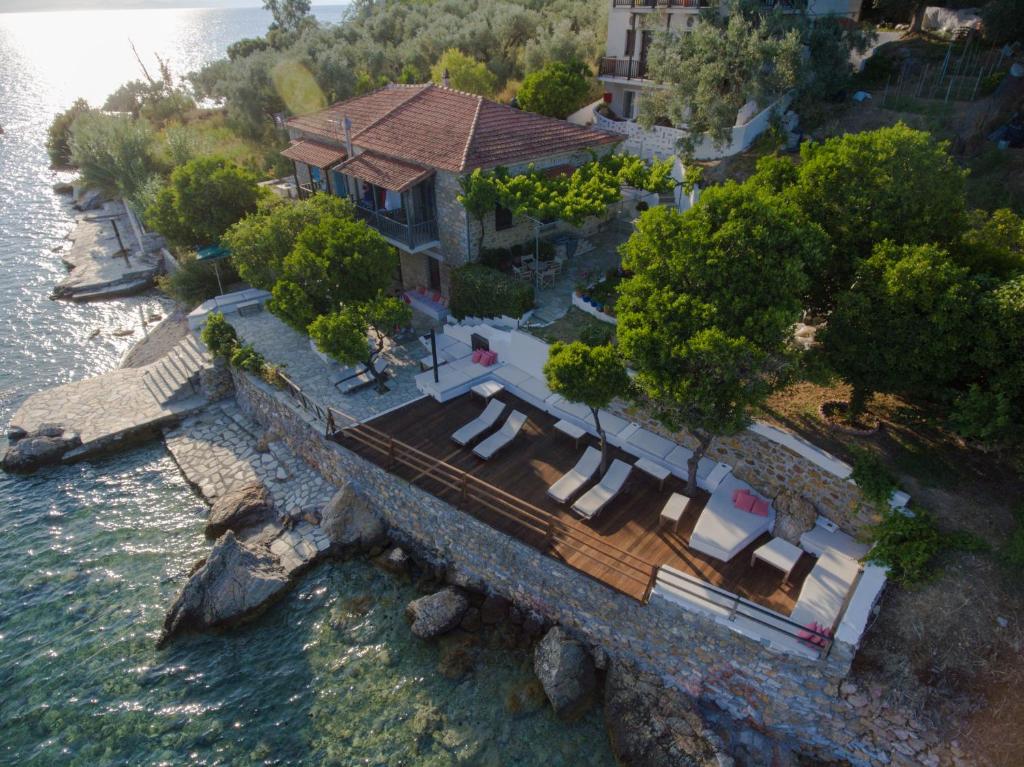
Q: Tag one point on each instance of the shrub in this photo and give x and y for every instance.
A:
(873, 479)
(596, 333)
(907, 545)
(479, 291)
(195, 281)
(59, 136)
(219, 336)
(245, 357)
(557, 90)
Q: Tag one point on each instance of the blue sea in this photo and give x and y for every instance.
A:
(91, 554)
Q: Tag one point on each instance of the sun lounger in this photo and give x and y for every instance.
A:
(508, 431)
(365, 378)
(825, 590)
(723, 531)
(481, 423)
(361, 372)
(596, 498)
(571, 482)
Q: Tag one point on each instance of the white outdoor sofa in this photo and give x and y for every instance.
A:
(826, 535)
(723, 531)
(826, 590)
(574, 479)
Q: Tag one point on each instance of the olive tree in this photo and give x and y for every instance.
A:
(556, 90)
(590, 375)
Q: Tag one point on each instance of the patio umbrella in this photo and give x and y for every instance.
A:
(213, 253)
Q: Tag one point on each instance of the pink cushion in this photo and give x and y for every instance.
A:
(745, 501)
(494, 357)
(488, 358)
(760, 507)
(736, 494)
(477, 355)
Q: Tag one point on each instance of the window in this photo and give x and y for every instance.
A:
(502, 218)
(627, 104)
(630, 42)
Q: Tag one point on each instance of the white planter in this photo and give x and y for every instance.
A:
(582, 305)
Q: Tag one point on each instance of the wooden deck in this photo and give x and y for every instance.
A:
(534, 461)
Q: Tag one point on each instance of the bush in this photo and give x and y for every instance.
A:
(907, 545)
(596, 333)
(219, 336)
(479, 291)
(194, 281)
(245, 357)
(873, 479)
(59, 136)
(557, 90)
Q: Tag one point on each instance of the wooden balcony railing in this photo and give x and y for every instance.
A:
(630, 69)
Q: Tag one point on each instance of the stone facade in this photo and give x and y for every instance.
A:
(770, 468)
(808, 704)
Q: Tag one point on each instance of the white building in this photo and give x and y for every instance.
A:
(623, 71)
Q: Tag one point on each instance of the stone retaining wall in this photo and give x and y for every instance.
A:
(805, 703)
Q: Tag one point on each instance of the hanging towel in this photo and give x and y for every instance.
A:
(393, 200)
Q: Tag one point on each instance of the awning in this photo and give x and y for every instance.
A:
(314, 153)
(386, 172)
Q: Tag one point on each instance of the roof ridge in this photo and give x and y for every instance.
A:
(472, 133)
(422, 89)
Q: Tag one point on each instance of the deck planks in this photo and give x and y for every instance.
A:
(535, 460)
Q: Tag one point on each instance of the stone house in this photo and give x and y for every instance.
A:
(623, 70)
(399, 153)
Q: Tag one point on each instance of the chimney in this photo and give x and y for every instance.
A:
(444, 78)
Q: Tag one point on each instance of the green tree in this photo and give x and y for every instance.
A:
(289, 15)
(334, 261)
(260, 242)
(893, 183)
(204, 198)
(113, 153)
(993, 244)
(590, 375)
(479, 197)
(737, 260)
(58, 138)
(1004, 21)
(358, 332)
(557, 90)
(465, 73)
(905, 326)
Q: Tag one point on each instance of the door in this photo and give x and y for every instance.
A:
(433, 273)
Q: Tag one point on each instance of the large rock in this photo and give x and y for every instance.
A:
(41, 448)
(566, 671)
(438, 613)
(794, 516)
(649, 726)
(234, 583)
(243, 507)
(350, 521)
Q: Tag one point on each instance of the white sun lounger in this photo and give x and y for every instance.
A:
(825, 589)
(577, 476)
(722, 530)
(508, 431)
(596, 498)
(481, 423)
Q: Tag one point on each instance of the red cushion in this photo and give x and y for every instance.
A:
(760, 507)
(745, 501)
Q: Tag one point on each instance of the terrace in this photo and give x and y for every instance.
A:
(622, 547)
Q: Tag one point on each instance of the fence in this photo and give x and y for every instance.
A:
(525, 522)
(958, 77)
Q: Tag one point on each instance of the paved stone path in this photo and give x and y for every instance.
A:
(283, 346)
(111, 407)
(218, 450)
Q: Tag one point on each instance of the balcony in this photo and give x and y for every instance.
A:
(393, 225)
(651, 4)
(627, 69)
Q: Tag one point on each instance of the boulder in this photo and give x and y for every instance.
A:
(394, 560)
(794, 516)
(350, 521)
(494, 609)
(243, 507)
(566, 671)
(39, 449)
(437, 614)
(649, 726)
(234, 583)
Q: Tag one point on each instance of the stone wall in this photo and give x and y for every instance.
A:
(805, 703)
(770, 468)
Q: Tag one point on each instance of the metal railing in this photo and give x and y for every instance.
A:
(552, 535)
(392, 227)
(631, 69)
(661, 3)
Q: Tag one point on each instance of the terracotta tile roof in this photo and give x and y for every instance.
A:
(314, 153)
(448, 129)
(388, 172)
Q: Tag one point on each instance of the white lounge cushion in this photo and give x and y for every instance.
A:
(481, 423)
(534, 391)
(597, 497)
(510, 375)
(677, 459)
(508, 431)
(825, 589)
(577, 476)
(612, 423)
(816, 540)
(723, 531)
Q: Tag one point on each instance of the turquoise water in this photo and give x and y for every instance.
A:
(91, 554)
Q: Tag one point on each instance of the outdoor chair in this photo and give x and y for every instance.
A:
(503, 436)
(481, 423)
(366, 378)
(573, 480)
(596, 498)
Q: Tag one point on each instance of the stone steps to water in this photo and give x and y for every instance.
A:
(172, 377)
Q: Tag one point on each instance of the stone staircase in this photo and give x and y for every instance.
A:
(175, 376)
